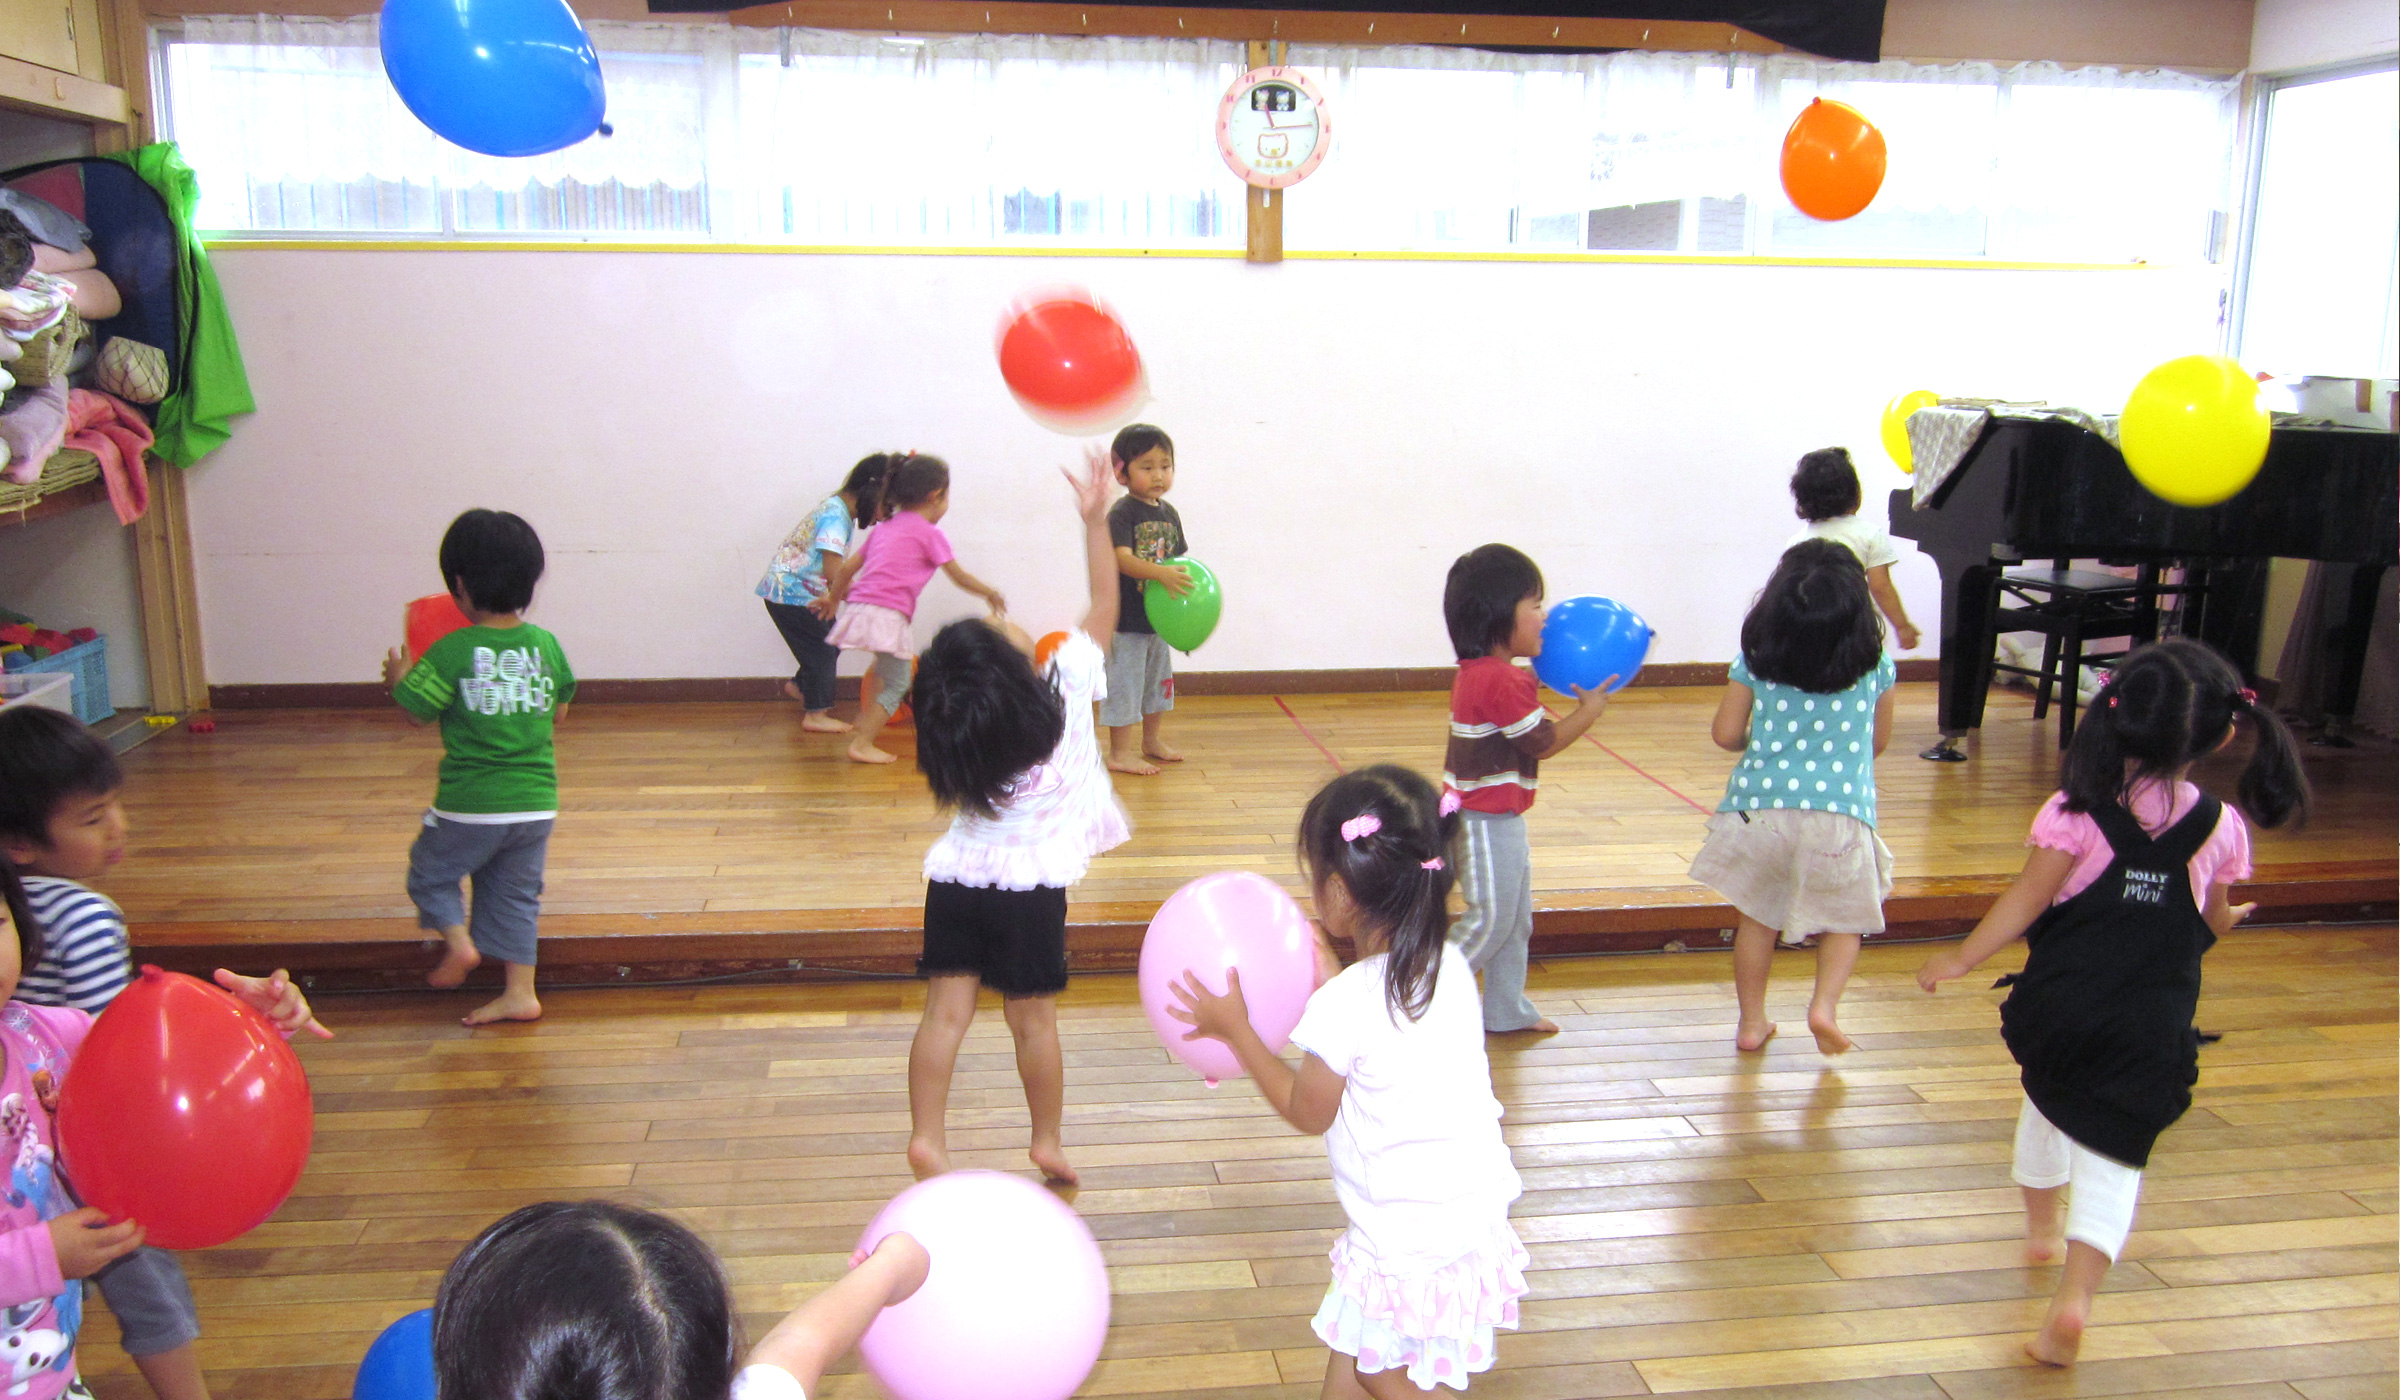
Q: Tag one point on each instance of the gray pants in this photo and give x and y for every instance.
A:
(1497, 929)
(151, 1300)
(890, 676)
(504, 860)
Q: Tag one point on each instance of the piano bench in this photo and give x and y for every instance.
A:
(2070, 607)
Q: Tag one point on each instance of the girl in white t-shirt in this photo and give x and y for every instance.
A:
(609, 1302)
(1825, 493)
(1007, 745)
(1395, 1077)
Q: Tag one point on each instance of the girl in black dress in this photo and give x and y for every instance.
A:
(2125, 889)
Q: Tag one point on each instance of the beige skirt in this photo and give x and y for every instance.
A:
(1801, 873)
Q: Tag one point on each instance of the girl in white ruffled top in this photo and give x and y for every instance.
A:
(1395, 1078)
(1007, 743)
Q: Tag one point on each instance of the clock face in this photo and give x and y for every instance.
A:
(1272, 128)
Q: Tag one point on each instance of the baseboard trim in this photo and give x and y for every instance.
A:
(671, 690)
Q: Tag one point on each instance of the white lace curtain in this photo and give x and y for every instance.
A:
(815, 137)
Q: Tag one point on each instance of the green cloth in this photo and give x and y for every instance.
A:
(496, 691)
(196, 419)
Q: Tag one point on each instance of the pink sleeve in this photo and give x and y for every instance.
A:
(66, 1024)
(2057, 829)
(937, 546)
(28, 1265)
(2227, 853)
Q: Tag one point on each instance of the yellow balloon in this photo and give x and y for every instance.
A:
(1895, 425)
(2193, 431)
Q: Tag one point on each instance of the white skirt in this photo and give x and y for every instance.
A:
(1436, 1325)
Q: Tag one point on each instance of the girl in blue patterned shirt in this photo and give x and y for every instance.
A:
(1793, 845)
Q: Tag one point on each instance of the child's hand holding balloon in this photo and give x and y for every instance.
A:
(87, 1242)
(1211, 1017)
(276, 999)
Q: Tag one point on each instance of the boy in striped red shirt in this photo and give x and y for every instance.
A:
(1499, 734)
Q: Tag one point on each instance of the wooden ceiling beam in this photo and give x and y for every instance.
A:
(1294, 26)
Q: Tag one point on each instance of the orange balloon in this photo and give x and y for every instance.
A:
(1047, 647)
(1833, 160)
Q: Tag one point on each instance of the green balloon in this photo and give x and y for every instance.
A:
(1186, 621)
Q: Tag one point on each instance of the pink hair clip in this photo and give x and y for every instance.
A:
(2248, 696)
(1433, 864)
(1364, 824)
(1451, 802)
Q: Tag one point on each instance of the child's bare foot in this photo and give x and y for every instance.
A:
(1830, 1040)
(458, 959)
(791, 691)
(508, 1006)
(819, 722)
(1544, 1026)
(1161, 752)
(2060, 1338)
(1134, 766)
(2045, 1250)
(926, 1158)
(1747, 1038)
(870, 755)
(1052, 1159)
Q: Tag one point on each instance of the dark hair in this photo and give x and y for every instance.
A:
(584, 1299)
(1479, 600)
(911, 482)
(864, 485)
(2165, 705)
(20, 913)
(1133, 440)
(494, 558)
(1826, 485)
(46, 758)
(1386, 872)
(1814, 624)
(983, 716)
(16, 249)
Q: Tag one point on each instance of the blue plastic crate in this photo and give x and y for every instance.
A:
(87, 664)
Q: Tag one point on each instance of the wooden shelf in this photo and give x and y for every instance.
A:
(58, 503)
(29, 87)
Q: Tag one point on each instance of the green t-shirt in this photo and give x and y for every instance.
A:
(496, 691)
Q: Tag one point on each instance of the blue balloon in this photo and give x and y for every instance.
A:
(504, 77)
(400, 1364)
(1587, 640)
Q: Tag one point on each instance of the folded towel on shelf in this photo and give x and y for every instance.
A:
(117, 434)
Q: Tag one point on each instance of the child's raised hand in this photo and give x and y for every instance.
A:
(395, 665)
(276, 999)
(1094, 487)
(87, 1242)
(1210, 1016)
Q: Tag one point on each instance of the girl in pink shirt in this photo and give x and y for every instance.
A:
(2125, 889)
(49, 1243)
(877, 587)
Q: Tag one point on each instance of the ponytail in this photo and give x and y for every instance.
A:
(2273, 786)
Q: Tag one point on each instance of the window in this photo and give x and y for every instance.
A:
(2319, 291)
(799, 136)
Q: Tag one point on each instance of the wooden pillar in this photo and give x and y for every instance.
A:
(1265, 206)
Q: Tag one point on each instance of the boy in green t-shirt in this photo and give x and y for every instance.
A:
(496, 686)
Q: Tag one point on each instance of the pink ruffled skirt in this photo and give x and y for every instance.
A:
(1436, 1325)
(869, 627)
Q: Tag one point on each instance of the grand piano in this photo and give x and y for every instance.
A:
(2029, 487)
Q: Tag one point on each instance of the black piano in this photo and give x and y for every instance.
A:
(2044, 488)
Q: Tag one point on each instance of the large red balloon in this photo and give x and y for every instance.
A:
(185, 1111)
(1833, 160)
(1071, 365)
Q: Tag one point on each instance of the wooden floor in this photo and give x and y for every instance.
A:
(710, 812)
(1774, 1227)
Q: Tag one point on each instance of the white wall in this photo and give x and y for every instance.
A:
(1344, 430)
(2287, 36)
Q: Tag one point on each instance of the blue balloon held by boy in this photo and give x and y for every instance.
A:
(1586, 640)
(400, 1364)
(503, 77)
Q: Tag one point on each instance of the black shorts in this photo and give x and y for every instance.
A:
(1015, 940)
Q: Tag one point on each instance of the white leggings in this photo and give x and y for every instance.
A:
(2101, 1198)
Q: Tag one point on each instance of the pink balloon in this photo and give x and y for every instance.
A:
(1015, 1306)
(1232, 920)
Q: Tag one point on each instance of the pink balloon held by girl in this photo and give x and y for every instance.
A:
(1395, 1078)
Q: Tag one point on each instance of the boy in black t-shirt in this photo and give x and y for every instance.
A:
(1146, 532)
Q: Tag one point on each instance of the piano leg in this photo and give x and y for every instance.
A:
(2346, 647)
(1967, 593)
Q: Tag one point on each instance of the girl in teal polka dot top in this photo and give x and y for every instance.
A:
(1793, 845)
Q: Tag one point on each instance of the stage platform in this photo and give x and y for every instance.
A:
(719, 840)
